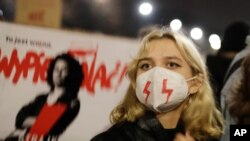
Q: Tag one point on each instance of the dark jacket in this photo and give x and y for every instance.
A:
(148, 128)
(217, 66)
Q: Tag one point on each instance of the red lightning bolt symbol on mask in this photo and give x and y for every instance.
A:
(146, 91)
(165, 90)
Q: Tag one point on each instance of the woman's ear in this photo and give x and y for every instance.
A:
(195, 84)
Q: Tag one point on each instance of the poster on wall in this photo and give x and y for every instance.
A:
(42, 96)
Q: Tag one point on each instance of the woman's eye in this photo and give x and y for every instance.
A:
(145, 66)
(173, 65)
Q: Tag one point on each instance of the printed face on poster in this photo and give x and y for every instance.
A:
(25, 55)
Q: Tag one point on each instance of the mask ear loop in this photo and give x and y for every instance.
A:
(192, 78)
(190, 99)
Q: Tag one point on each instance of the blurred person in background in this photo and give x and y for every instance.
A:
(241, 97)
(233, 41)
(238, 103)
(233, 75)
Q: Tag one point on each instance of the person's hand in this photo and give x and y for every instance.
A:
(182, 137)
(28, 122)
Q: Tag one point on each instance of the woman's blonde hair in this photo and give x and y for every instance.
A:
(201, 117)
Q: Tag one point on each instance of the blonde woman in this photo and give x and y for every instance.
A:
(169, 97)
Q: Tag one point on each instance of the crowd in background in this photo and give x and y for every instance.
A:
(230, 76)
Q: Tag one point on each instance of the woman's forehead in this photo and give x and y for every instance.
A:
(161, 48)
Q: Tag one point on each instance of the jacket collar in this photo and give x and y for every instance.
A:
(149, 122)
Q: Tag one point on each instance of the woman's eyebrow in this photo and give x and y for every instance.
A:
(173, 58)
(145, 59)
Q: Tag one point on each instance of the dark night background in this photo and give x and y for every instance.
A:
(121, 17)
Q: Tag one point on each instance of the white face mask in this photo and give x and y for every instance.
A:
(161, 89)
